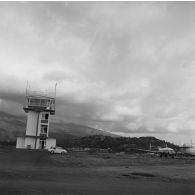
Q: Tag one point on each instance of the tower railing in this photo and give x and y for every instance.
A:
(40, 94)
(39, 101)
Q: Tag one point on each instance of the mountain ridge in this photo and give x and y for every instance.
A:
(12, 126)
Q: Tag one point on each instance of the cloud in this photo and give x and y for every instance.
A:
(126, 67)
(58, 76)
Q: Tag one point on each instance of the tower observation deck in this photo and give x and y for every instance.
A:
(40, 102)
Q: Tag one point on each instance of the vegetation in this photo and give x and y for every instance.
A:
(117, 144)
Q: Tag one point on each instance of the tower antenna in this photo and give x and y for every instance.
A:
(55, 89)
(26, 86)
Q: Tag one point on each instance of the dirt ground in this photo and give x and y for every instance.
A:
(37, 173)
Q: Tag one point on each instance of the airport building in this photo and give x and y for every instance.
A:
(39, 108)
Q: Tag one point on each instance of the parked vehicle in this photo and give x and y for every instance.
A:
(57, 150)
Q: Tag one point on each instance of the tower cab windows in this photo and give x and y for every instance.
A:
(40, 104)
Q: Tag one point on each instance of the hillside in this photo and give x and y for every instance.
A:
(12, 126)
(128, 144)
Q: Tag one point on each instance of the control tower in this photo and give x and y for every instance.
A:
(39, 107)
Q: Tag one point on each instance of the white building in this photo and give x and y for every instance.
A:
(39, 108)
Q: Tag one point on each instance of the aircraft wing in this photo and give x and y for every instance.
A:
(147, 151)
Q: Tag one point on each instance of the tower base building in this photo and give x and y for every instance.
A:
(29, 142)
(39, 107)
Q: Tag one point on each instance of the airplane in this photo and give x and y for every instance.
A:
(165, 151)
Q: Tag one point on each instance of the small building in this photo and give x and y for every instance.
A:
(39, 108)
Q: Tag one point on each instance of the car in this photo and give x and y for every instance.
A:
(57, 150)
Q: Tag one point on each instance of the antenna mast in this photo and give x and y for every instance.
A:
(55, 89)
(26, 87)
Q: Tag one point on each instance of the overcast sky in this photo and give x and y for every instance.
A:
(127, 68)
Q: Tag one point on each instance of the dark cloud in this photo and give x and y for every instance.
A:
(13, 97)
